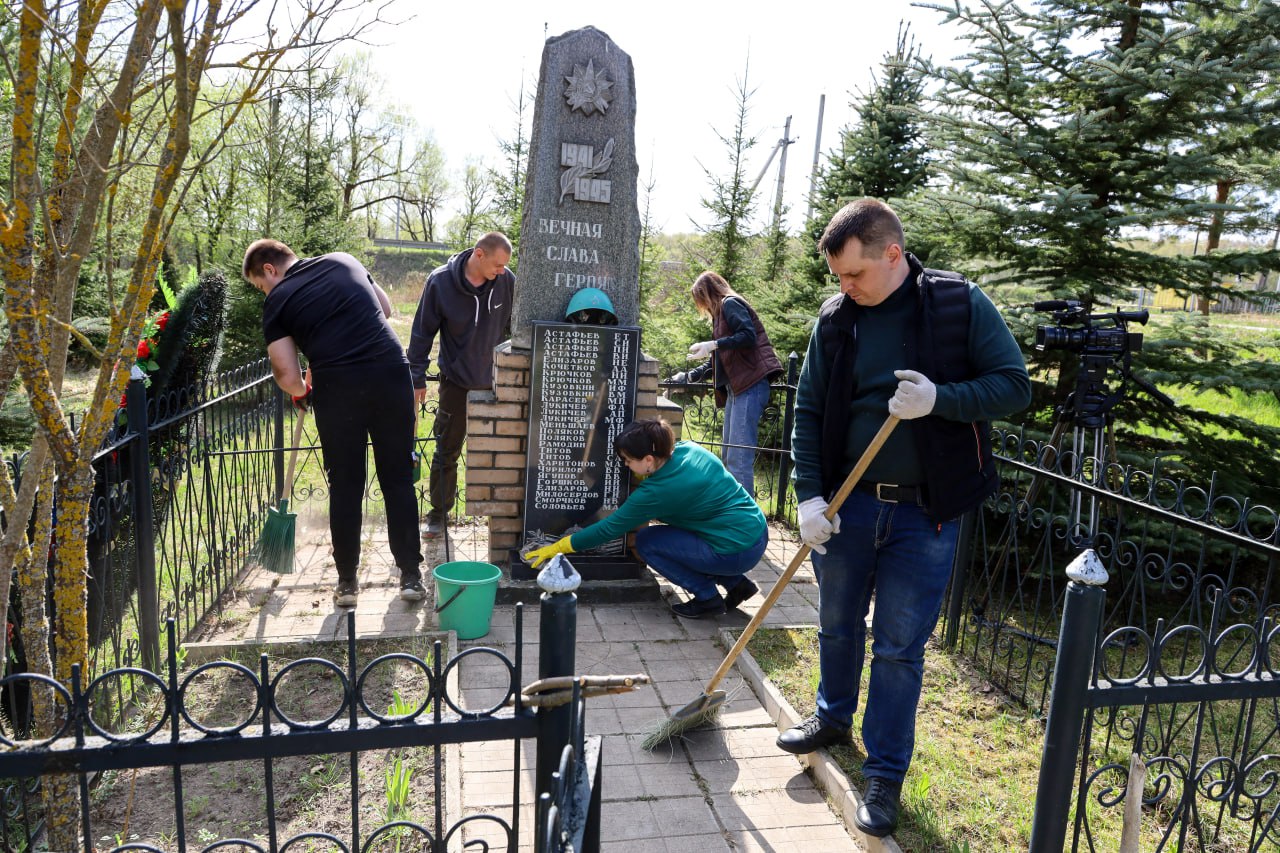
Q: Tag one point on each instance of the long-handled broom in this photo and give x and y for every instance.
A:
(707, 706)
(276, 544)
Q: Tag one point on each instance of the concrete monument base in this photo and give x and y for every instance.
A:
(605, 580)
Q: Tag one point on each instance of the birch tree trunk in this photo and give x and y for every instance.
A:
(48, 227)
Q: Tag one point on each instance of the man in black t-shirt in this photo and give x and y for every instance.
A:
(329, 308)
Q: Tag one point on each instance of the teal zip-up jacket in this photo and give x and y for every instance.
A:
(692, 491)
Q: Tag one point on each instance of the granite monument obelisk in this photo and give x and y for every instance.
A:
(581, 225)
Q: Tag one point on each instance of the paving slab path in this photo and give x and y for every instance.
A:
(724, 787)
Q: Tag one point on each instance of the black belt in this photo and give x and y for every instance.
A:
(890, 493)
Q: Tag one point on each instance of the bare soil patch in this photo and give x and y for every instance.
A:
(312, 793)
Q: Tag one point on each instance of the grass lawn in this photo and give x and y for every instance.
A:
(972, 782)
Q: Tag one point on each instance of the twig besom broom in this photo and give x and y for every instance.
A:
(276, 544)
(707, 706)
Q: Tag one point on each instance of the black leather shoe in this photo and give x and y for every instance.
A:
(812, 734)
(878, 814)
(696, 609)
(739, 593)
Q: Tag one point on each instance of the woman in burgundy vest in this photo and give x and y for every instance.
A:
(742, 362)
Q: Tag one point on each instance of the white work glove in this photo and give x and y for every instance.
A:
(680, 377)
(815, 529)
(915, 395)
(701, 350)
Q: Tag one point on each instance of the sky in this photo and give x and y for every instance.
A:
(458, 68)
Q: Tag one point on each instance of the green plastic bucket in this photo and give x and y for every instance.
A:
(465, 592)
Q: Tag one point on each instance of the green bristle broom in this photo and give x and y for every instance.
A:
(707, 707)
(276, 544)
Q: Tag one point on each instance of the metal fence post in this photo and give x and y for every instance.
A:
(591, 831)
(959, 578)
(557, 637)
(144, 534)
(1072, 672)
(788, 423)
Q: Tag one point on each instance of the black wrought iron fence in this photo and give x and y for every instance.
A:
(704, 423)
(311, 489)
(212, 487)
(180, 491)
(1184, 676)
(181, 500)
(1175, 731)
(249, 717)
(1172, 549)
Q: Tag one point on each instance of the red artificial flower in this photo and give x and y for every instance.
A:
(144, 348)
(162, 321)
(124, 399)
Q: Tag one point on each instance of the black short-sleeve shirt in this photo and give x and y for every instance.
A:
(327, 304)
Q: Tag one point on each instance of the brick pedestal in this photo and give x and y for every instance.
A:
(498, 440)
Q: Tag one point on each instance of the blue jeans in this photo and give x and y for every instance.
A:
(685, 559)
(741, 426)
(897, 553)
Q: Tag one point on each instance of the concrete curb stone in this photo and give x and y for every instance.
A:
(826, 773)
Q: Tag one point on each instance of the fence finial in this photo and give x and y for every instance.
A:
(1088, 569)
(559, 576)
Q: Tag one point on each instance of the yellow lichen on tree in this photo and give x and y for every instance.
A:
(48, 227)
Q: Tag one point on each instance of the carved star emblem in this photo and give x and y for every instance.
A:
(588, 89)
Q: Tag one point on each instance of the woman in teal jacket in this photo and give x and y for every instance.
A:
(711, 532)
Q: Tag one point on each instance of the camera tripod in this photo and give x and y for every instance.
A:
(1089, 412)
(1087, 415)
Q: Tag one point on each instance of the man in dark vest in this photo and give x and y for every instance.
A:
(330, 308)
(930, 348)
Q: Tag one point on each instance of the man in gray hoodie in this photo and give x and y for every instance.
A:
(468, 303)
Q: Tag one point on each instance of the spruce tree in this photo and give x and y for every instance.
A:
(881, 155)
(304, 205)
(726, 246)
(508, 180)
(1073, 127)
(1071, 130)
(726, 243)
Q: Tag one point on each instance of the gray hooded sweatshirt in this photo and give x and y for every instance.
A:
(471, 321)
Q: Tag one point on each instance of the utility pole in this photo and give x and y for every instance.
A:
(817, 152)
(780, 145)
(782, 174)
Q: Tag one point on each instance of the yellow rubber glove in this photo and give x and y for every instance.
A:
(538, 556)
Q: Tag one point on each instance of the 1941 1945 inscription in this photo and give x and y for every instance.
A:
(581, 225)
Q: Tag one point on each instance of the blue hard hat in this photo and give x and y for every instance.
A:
(591, 305)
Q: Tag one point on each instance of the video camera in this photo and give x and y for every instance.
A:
(1105, 347)
(1112, 340)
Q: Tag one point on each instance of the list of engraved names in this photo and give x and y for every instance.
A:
(583, 407)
